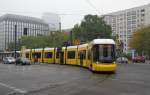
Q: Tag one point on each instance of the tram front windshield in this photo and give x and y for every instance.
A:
(104, 53)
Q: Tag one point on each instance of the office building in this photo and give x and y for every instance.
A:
(28, 26)
(125, 22)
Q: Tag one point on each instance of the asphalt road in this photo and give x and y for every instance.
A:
(51, 79)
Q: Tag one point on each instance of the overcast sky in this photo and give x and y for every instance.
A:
(70, 11)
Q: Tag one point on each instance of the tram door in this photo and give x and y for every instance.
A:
(62, 57)
(81, 58)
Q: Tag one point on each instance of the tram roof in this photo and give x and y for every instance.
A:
(83, 45)
(48, 48)
(27, 50)
(103, 41)
(38, 49)
(71, 47)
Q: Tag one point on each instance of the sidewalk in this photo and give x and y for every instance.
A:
(147, 61)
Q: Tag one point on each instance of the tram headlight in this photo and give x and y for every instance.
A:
(114, 62)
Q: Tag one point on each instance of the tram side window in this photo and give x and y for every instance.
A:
(89, 55)
(38, 55)
(48, 55)
(71, 55)
(27, 55)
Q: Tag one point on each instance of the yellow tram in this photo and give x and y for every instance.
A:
(98, 55)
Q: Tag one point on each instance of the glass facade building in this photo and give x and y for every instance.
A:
(28, 26)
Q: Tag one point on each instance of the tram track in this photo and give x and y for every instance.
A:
(73, 82)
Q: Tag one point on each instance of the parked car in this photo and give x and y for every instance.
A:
(122, 60)
(9, 60)
(22, 61)
(139, 59)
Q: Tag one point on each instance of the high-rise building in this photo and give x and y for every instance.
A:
(29, 26)
(53, 20)
(125, 22)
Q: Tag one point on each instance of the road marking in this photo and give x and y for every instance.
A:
(13, 88)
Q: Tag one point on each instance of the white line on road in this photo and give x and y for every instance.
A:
(13, 88)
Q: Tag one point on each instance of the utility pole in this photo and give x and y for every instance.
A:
(15, 39)
(71, 38)
(60, 26)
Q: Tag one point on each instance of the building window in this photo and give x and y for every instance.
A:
(142, 10)
(142, 19)
(134, 22)
(25, 31)
(142, 15)
(133, 17)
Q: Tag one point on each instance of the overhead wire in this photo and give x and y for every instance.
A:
(95, 8)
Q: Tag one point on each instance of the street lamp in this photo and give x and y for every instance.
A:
(15, 40)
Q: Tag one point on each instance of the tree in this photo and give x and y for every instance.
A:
(56, 39)
(92, 27)
(141, 41)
